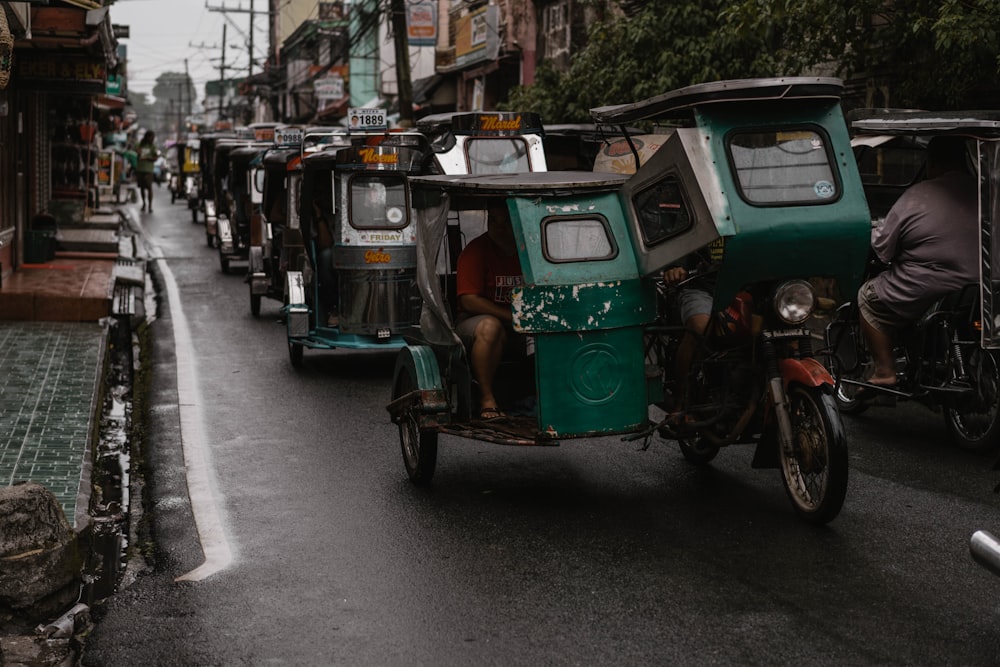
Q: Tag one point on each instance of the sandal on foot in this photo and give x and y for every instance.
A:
(491, 414)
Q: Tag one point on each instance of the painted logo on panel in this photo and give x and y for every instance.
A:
(596, 374)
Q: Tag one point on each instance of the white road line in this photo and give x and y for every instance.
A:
(200, 476)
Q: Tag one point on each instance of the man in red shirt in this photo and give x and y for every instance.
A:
(488, 269)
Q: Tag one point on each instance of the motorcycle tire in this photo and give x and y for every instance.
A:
(974, 423)
(815, 470)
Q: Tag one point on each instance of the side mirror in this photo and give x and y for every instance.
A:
(258, 180)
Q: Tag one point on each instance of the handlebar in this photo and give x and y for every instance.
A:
(699, 271)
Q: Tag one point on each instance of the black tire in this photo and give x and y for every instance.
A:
(419, 447)
(255, 305)
(974, 423)
(223, 263)
(194, 216)
(815, 471)
(209, 240)
(173, 196)
(295, 351)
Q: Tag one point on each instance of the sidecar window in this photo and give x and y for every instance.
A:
(662, 210)
(497, 155)
(782, 167)
(577, 239)
(890, 164)
(378, 202)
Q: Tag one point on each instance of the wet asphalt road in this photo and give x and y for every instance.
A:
(591, 553)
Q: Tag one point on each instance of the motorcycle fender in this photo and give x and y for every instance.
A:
(807, 372)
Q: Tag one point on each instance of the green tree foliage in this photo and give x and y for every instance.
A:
(926, 53)
(666, 45)
(934, 54)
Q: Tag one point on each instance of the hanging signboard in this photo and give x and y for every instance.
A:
(421, 23)
(476, 36)
(60, 73)
(329, 88)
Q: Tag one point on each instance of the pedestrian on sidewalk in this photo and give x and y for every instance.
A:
(148, 154)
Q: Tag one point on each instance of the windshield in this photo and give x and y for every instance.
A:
(790, 166)
(378, 201)
(497, 155)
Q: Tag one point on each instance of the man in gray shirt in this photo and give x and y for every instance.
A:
(929, 239)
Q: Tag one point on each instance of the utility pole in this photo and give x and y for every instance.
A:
(270, 13)
(240, 10)
(401, 42)
(222, 74)
(187, 93)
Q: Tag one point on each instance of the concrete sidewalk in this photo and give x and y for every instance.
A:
(66, 343)
(54, 321)
(50, 387)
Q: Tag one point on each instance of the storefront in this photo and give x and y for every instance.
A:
(49, 137)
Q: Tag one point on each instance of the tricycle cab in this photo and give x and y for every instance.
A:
(243, 203)
(763, 168)
(359, 194)
(206, 190)
(275, 237)
(486, 142)
(219, 185)
(583, 302)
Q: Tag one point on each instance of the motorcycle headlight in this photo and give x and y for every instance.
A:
(794, 301)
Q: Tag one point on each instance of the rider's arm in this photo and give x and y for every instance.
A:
(886, 236)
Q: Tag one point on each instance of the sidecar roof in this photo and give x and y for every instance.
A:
(678, 105)
(539, 183)
(980, 124)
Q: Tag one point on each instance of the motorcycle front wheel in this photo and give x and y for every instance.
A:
(814, 468)
(974, 423)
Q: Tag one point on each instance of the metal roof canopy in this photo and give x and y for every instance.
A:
(469, 191)
(983, 124)
(679, 104)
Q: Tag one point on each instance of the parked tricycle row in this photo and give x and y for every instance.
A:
(751, 186)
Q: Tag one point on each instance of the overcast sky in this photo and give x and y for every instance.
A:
(163, 33)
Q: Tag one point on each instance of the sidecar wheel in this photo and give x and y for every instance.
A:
(814, 472)
(698, 450)
(974, 423)
(419, 446)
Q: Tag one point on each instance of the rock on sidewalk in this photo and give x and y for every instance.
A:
(40, 558)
